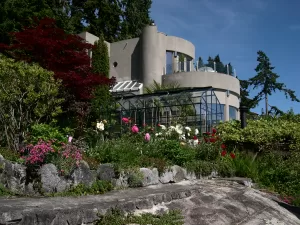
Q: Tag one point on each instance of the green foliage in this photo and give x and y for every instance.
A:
(10, 155)
(98, 187)
(16, 14)
(4, 191)
(155, 87)
(100, 59)
(118, 217)
(266, 80)
(262, 133)
(47, 132)
(117, 20)
(28, 95)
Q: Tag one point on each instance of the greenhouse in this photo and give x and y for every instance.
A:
(195, 107)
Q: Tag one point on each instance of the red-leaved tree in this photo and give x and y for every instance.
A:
(64, 54)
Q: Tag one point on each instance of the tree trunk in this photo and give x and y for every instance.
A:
(266, 102)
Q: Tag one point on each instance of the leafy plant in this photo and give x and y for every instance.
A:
(28, 95)
(98, 187)
(118, 217)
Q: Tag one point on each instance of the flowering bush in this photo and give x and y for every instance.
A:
(44, 152)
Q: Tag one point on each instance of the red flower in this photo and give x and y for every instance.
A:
(232, 155)
(158, 125)
(213, 134)
(214, 130)
(212, 140)
(195, 137)
(223, 153)
(223, 146)
(206, 140)
(207, 133)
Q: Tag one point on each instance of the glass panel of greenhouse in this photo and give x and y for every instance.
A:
(194, 107)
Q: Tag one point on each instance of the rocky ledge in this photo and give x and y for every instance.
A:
(201, 202)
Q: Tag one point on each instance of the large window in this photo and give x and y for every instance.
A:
(169, 62)
(232, 113)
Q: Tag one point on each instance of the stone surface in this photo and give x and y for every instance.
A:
(150, 177)
(12, 175)
(173, 175)
(106, 172)
(82, 174)
(202, 202)
(51, 181)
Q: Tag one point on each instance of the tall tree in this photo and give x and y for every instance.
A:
(266, 81)
(250, 103)
(117, 19)
(104, 17)
(200, 62)
(219, 65)
(101, 103)
(15, 14)
(135, 17)
(100, 58)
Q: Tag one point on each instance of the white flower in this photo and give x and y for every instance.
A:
(158, 134)
(178, 129)
(182, 137)
(188, 134)
(163, 127)
(195, 142)
(196, 131)
(172, 128)
(100, 126)
(188, 129)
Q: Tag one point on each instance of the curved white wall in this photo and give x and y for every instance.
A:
(177, 44)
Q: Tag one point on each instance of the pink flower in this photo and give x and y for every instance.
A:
(147, 137)
(125, 120)
(70, 139)
(134, 129)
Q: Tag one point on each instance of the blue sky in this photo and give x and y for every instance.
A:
(236, 30)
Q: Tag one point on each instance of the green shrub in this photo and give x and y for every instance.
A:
(262, 134)
(47, 132)
(118, 217)
(10, 155)
(98, 187)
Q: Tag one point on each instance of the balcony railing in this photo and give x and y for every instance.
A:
(190, 66)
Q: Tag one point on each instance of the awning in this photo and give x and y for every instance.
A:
(127, 86)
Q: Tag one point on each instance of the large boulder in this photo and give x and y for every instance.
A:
(12, 176)
(150, 177)
(173, 174)
(51, 182)
(106, 172)
(82, 174)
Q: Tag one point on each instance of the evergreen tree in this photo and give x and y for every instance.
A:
(210, 62)
(14, 15)
(244, 94)
(101, 103)
(135, 17)
(266, 81)
(200, 62)
(100, 59)
(219, 65)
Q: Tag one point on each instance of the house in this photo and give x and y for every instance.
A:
(167, 59)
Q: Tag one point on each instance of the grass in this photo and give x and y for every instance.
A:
(118, 217)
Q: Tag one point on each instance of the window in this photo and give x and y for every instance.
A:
(232, 113)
